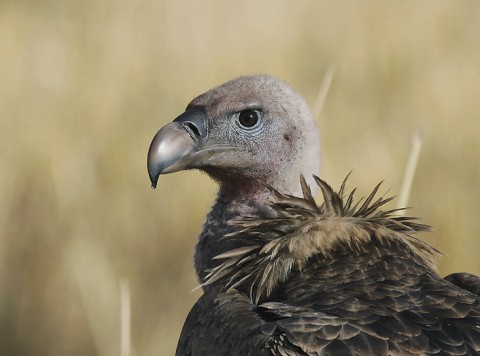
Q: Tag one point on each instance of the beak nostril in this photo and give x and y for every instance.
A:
(193, 128)
(193, 121)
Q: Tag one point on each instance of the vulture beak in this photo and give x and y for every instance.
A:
(182, 144)
(174, 144)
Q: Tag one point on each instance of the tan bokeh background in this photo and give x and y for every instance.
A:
(84, 86)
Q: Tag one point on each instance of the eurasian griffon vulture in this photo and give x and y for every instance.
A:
(283, 275)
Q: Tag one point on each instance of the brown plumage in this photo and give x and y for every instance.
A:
(271, 248)
(283, 275)
(341, 278)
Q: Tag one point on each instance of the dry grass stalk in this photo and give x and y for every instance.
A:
(323, 91)
(125, 318)
(410, 168)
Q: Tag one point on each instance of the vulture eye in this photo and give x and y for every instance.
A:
(249, 118)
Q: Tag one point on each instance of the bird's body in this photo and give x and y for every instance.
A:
(284, 276)
(352, 283)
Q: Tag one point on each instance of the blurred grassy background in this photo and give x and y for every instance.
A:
(84, 86)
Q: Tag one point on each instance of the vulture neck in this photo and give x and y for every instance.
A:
(238, 199)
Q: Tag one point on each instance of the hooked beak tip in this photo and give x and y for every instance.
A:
(154, 182)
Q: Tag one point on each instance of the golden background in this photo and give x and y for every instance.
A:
(84, 86)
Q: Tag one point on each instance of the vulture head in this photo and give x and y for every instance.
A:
(248, 131)
(251, 134)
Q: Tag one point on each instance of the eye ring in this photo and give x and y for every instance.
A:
(249, 118)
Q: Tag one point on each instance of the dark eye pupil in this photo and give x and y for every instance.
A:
(248, 118)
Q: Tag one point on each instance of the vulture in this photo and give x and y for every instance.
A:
(284, 275)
